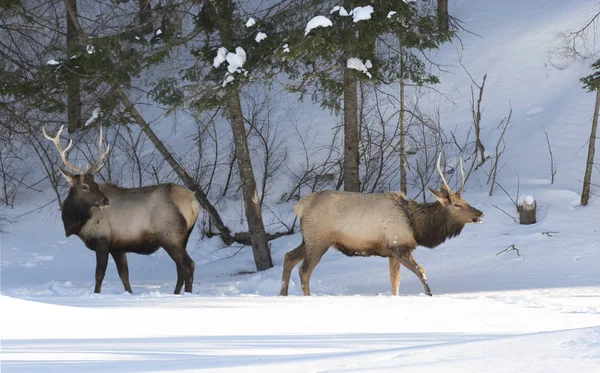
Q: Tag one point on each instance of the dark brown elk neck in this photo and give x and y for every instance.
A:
(432, 224)
(74, 216)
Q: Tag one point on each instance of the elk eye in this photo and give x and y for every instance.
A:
(85, 187)
(457, 205)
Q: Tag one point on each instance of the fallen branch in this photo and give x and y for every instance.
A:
(550, 234)
(511, 247)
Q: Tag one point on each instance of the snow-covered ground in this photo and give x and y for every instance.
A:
(535, 310)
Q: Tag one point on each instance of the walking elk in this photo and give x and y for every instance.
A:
(380, 224)
(115, 220)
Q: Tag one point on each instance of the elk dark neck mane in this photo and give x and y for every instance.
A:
(74, 217)
(432, 224)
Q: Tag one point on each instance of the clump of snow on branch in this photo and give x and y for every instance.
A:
(158, 32)
(286, 48)
(342, 11)
(220, 58)
(357, 64)
(527, 199)
(53, 62)
(228, 79)
(391, 13)
(260, 37)
(361, 13)
(251, 22)
(90, 49)
(236, 60)
(318, 21)
(95, 115)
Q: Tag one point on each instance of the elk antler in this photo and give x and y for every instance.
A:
(442, 174)
(63, 153)
(462, 172)
(96, 166)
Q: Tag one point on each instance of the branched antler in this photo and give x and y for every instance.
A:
(439, 168)
(97, 166)
(63, 153)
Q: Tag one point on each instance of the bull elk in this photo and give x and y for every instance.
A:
(376, 224)
(115, 220)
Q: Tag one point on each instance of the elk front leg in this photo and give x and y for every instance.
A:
(409, 262)
(394, 275)
(101, 263)
(121, 261)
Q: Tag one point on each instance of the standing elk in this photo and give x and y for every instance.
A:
(115, 220)
(382, 224)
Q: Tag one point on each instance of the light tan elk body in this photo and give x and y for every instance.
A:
(114, 220)
(375, 224)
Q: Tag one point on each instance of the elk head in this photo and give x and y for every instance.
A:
(84, 190)
(453, 202)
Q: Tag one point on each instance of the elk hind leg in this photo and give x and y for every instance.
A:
(292, 258)
(191, 266)
(394, 275)
(409, 262)
(183, 268)
(311, 259)
(121, 261)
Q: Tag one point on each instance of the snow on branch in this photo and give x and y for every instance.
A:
(260, 37)
(357, 64)
(361, 13)
(318, 21)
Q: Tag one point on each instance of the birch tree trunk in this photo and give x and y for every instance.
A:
(587, 179)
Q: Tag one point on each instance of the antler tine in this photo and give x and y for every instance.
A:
(102, 154)
(462, 172)
(63, 153)
(441, 173)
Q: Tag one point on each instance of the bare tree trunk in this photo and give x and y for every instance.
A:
(442, 13)
(351, 135)
(221, 15)
(183, 175)
(145, 16)
(351, 176)
(587, 179)
(402, 126)
(258, 237)
(73, 83)
(476, 111)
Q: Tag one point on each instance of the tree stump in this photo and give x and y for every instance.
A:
(526, 208)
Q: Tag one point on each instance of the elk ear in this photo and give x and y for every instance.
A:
(447, 192)
(68, 176)
(442, 196)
